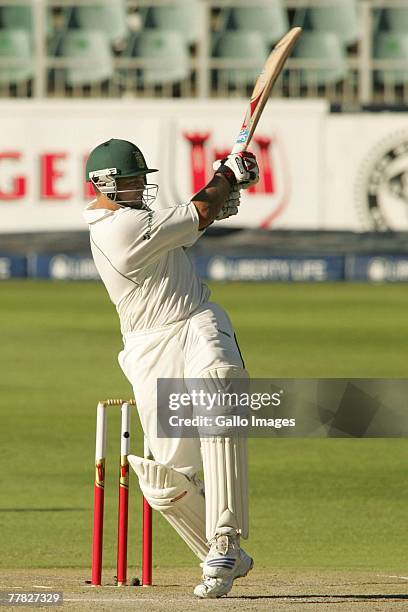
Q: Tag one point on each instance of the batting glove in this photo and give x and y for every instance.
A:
(239, 168)
(230, 207)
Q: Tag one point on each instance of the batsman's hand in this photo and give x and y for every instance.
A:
(230, 207)
(239, 168)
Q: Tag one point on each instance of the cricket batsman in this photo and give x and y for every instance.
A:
(171, 330)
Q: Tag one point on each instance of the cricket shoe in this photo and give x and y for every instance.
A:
(225, 562)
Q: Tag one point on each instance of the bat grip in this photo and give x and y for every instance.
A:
(239, 147)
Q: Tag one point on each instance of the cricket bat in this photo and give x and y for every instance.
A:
(263, 87)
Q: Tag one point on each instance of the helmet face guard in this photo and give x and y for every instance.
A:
(116, 159)
(105, 181)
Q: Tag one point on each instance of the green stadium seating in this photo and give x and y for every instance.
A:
(300, 19)
(341, 17)
(396, 19)
(183, 17)
(270, 20)
(109, 17)
(391, 46)
(378, 20)
(22, 18)
(15, 44)
(17, 17)
(95, 60)
(322, 46)
(233, 45)
(168, 52)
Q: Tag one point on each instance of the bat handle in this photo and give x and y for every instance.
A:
(239, 147)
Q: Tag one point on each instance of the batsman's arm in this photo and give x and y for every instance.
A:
(211, 199)
(236, 170)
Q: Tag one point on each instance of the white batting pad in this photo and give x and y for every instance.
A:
(226, 484)
(179, 499)
(225, 460)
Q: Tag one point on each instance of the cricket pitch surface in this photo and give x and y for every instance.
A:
(263, 589)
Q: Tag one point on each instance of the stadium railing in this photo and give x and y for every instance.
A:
(130, 38)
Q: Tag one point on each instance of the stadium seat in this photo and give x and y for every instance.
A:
(168, 54)
(391, 46)
(223, 19)
(301, 19)
(21, 18)
(146, 17)
(183, 17)
(17, 17)
(15, 44)
(322, 46)
(396, 19)
(234, 46)
(341, 17)
(92, 50)
(378, 20)
(270, 20)
(109, 17)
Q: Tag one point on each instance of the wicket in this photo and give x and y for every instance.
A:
(123, 504)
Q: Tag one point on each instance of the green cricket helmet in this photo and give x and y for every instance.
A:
(113, 160)
(116, 157)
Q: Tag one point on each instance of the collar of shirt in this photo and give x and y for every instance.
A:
(93, 215)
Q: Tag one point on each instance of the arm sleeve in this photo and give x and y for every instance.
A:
(149, 234)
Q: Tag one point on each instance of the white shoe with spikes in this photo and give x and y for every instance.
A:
(225, 562)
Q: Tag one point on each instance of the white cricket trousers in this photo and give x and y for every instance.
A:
(186, 349)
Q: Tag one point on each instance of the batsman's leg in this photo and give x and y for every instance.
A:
(225, 463)
(179, 498)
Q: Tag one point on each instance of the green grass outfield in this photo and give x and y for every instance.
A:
(314, 503)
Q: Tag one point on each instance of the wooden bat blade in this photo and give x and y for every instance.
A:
(263, 86)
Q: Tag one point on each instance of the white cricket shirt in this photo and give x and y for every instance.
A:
(140, 257)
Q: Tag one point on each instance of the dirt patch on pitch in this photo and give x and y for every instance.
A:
(263, 589)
